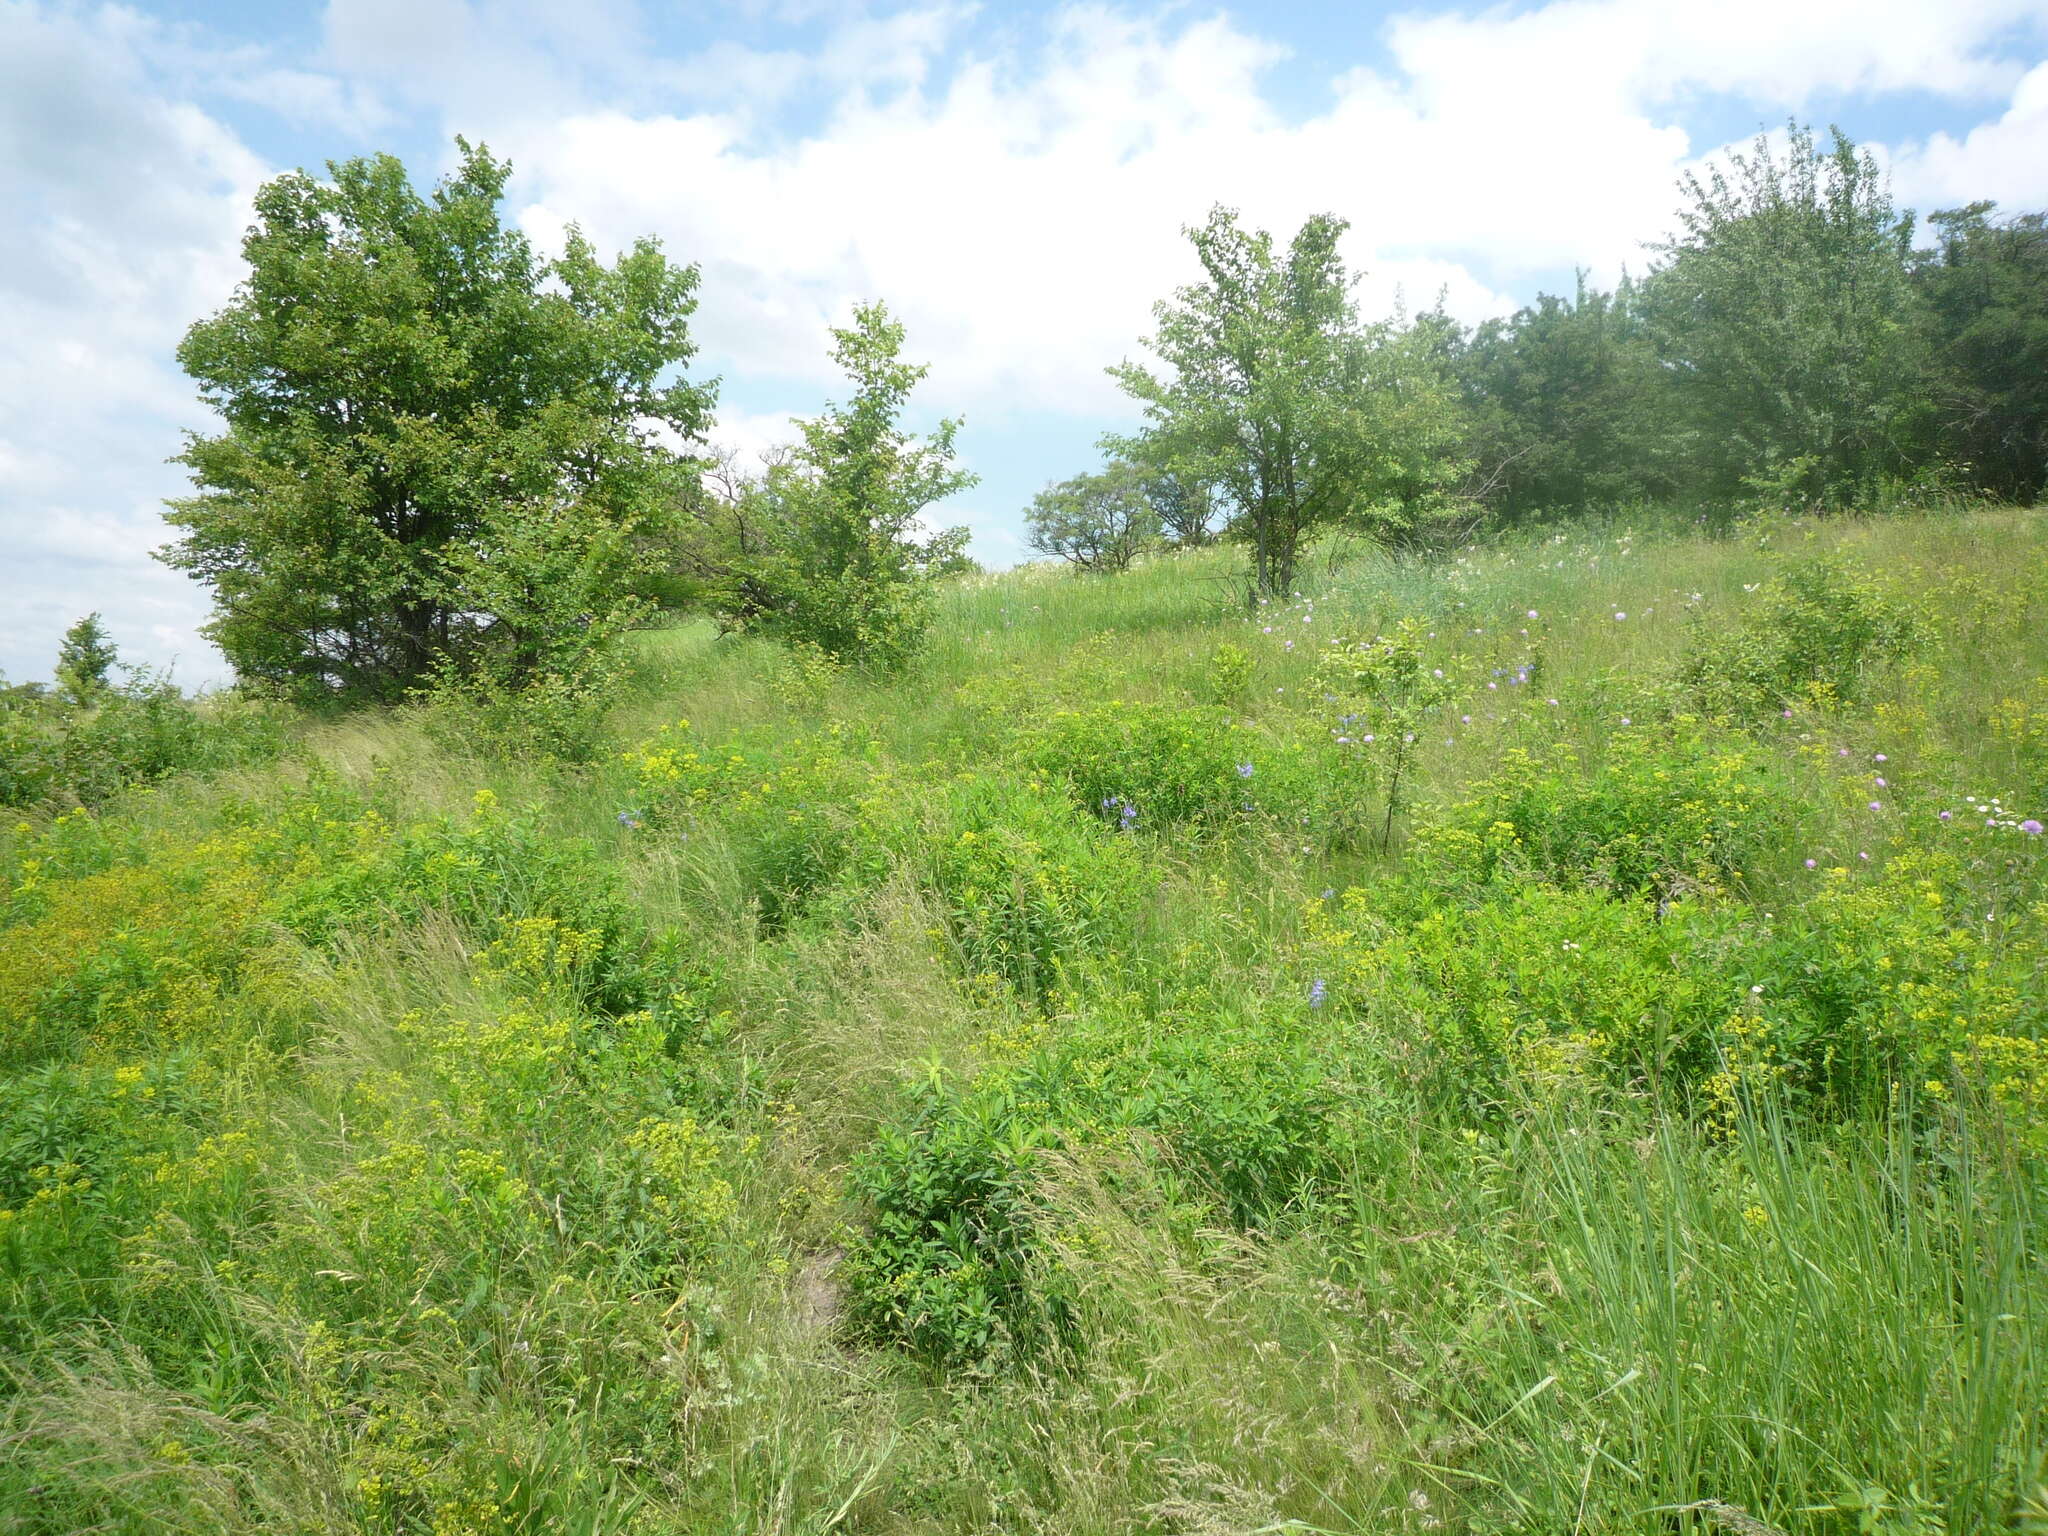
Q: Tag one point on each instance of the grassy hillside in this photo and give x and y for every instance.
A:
(1109, 1080)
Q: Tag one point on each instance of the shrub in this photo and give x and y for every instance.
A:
(1147, 766)
(945, 1262)
(2019, 724)
(1816, 633)
(1244, 1111)
(1030, 891)
(1667, 810)
(1534, 988)
(801, 812)
(1379, 698)
(827, 548)
(1894, 983)
(57, 754)
(550, 708)
(1229, 674)
(486, 870)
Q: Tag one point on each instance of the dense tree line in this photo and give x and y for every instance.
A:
(452, 468)
(1791, 345)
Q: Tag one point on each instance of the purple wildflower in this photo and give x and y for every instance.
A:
(2031, 827)
(1317, 992)
(1244, 770)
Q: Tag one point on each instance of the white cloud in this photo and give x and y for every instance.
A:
(2006, 159)
(126, 208)
(1604, 55)
(1023, 214)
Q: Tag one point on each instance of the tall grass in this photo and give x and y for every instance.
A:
(377, 1158)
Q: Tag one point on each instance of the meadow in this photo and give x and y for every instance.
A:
(1544, 1038)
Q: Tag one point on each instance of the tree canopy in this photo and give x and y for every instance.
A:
(438, 446)
(1096, 522)
(827, 546)
(1272, 391)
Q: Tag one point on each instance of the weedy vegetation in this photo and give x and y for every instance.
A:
(1101, 1096)
(1343, 1022)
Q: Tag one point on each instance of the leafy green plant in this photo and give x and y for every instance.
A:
(1816, 634)
(1666, 810)
(1380, 697)
(1229, 674)
(827, 548)
(143, 731)
(1098, 522)
(1032, 893)
(438, 450)
(1240, 1109)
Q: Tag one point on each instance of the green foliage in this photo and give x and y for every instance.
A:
(1274, 394)
(1895, 980)
(1239, 1113)
(1229, 675)
(813, 1126)
(1186, 509)
(945, 1263)
(439, 448)
(1816, 633)
(806, 675)
(1536, 989)
(1033, 894)
(85, 662)
(54, 755)
(801, 814)
(1148, 767)
(1379, 697)
(1097, 522)
(1785, 312)
(1664, 811)
(1569, 406)
(1985, 290)
(827, 548)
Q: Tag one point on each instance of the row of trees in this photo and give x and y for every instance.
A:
(449, 466)
(1790, 346)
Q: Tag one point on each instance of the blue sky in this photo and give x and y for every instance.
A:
(1011, 178)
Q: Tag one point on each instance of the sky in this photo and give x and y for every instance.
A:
(1012, 179)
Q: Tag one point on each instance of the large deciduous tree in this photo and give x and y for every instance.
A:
(1096, 522)
(439, 448)
(1784, 312)
(1569, 406)
(1273, 393)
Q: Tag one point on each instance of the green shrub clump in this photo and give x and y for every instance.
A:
(57, 753)
(1815, 634)
(1667, 809)
(1161, 767)
(1239, 1113)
